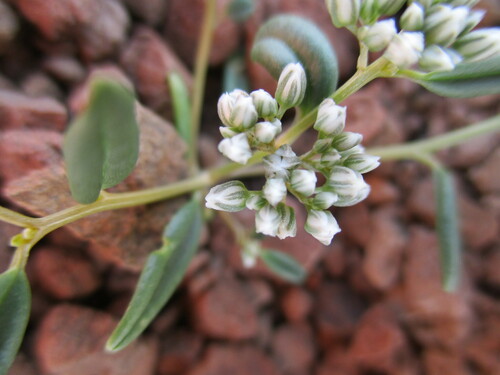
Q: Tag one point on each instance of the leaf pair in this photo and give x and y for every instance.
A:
(15, 302)
(101, 146)
(161, 275)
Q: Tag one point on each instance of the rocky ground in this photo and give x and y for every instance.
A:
(372, 303)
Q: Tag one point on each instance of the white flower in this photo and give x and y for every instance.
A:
(435, 59)
(255, 201)
(265, 104)
(250, 253)
(331, 118)
(226, 103)
(244, 114)
(379, 35)
(267, 221)
(413, 17)
(405, 48)
(303, 181)
(230, 196)
(266, 131)
(445, 24)
(362, 163)
(330, 158)
(473, 18)
(291, 85)
(322, 225)
(479, 44)
(274, 190)
(390, 7)
(236, 148)
(346, 141)
(227, 132)
(279, 163)
(354, 197)
(343, 12)
(325, 199)
(288, 225)
(345, 181)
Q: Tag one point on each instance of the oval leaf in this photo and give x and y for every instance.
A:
(467, 80)
(15, 302)
(235, 74)
(447, 228)
(283, 265)
(101, 146)
(287, 39)
(162, 274)
(241, 10)
(181, 106)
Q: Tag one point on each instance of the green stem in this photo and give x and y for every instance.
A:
(200, 72)
(15, 218)
(413, 150)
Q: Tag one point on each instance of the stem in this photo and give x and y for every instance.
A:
(15, 218)
(414, 149)
(200, 74)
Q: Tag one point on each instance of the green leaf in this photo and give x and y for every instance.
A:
(288, 39)
(101, 146)
(467, 80)
(447, 228)
(161, 275)
(235, 74)
(181, 106)
(241, 10)
(15, 302)
(283, 265)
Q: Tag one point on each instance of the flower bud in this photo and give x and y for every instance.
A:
(445, 24)
(264, 103)
(324, 199)
(345, 181)
(344, 12)
(236, 148)
(362, 163)
(390, 7)
(469, 3)
(267, 221)
(479, 44)
(405, 48)
(255, 201)
(230, 196)
(346, 141)
(303, 181)
(413, 18)
(322, 226)
(244, 114)
(353, 197)
(379, 35)
(330, 158)
(322, 145)
(369, 11)
(250, 253)
(274, 190)
(288, 225)
(277, 165)
(227, 132)
(331, 118)
(291, 86)
(266, 131)
(435, 59)
(226, 103)
(472, 20)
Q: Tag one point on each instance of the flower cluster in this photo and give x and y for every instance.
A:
(336, 154)
(436, 34)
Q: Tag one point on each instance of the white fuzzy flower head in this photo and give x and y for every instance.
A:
(236, 148)
(331, 118)
(325, 199)
(226, 103)
(244, 114)
(279, 163)
(479, 44)
(413, 17)
(445, 24)
(291, 86)
(343, 12)
(230, 196)
(266, 131)
(405, 48)
(267, 221)
(265, 104)
(436, 59)
(274, 190)
(379, 35)
(303, 181)
(322, 226)
(288, 225)
(362, 163)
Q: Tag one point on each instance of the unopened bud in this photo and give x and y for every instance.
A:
(436, 59)
(227, 132)
(291, 86)
(267, 221)
(405, 48)
(226, 103)
(472, 20)
(277, 165)
(236, 148)
(369, 11)
(266, 131)
(255, 201)
(362, 163)
(390, 7)
(331, 118)
(353, 197)
(330, 158)
(469, 3)
(413, 18)
(345, 181)
(445, 24)
(230, 196)
(274, 190)
(378, 36)
(479, 44)
(343, 12)
(322, 145)
(264, 103)
(243, 115)
(346, 141)
(288, 225)
(250, 253)
(324, 199)
(322, 226)
(303, 181)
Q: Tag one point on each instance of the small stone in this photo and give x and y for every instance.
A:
(296, 304)
(153, 12)
(438, 362)
(39, 85)
(63, 273)
(382, 191)
(71, 340)
(178, 351)
(472, 152)
(9, 25)
(355, 223)
(485, 175)
(22, 366)
(293, 349)
(64, 68)
(21, 111)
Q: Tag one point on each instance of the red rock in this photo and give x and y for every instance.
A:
(472, 152)
(178, 351)
(438, 362)
(9, 26)
(293, 349)
(71, 339)
(153, 12)
(355, 223)
(183, 25)
(260, 291)
(63, 273)
(382, 191)
(96, 27)
(491, 264)
(219, 312)
(485, 175)
(64, 68)
(22, 366)
(40, 85)
(384, 250)
(235, 360)
(20, 111)
(149, 60)
(335, 260)
(482, 351)
(296, 304)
